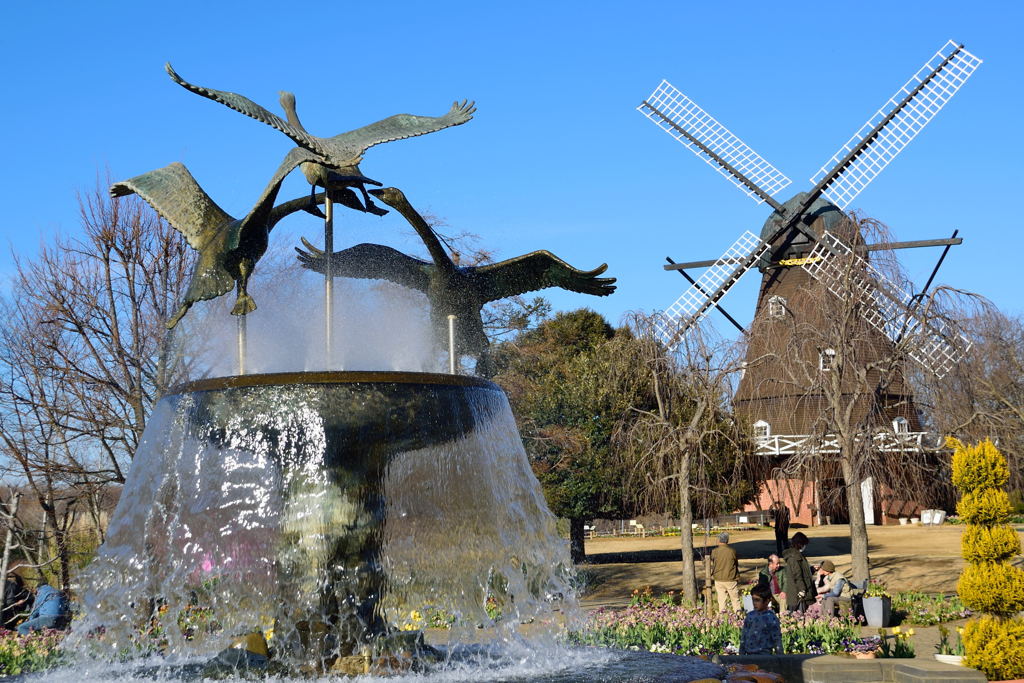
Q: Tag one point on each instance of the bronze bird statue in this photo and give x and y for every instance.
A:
(340, 155)
(228, 247)
(451, 289)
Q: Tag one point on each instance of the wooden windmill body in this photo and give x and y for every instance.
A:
(777, 397)
(807, 248)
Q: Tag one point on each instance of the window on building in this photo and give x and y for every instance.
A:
(776, 307)
(901, 425)
(827, 359)
(762, 430)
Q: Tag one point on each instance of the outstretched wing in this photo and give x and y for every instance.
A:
(262, 212)
(369, 261)
(402, 126)
(538, 270)
(175, 195)
(244, 105)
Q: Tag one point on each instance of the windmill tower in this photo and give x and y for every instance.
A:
(806, 244)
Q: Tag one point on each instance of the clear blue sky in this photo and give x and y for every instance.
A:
(557, 157)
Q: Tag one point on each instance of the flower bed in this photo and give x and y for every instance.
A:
(24, 654)
(690, 631)
(924, 609)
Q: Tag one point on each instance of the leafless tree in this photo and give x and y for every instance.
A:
(82, 364)
(984, 396)
(676, 449)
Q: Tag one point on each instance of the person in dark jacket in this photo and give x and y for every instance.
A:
(800, 591)
(781, 514)
(50, 610)
(773, 577)
(16, 599)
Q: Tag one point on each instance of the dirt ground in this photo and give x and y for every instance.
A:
(918, 558)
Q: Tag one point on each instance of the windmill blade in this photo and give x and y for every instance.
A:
(900, 119)
(694, 303)
(888, 308)
(698, 131)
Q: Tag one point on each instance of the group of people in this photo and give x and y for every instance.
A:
(788, 581)
(49, 606)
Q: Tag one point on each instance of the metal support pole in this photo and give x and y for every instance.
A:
(242, 342)
(707, 569)
(452, 355)
(328, 282)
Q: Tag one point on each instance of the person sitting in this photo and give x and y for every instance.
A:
(16, 598)
(835, 588)
(762, 633)
(50, 610)
(773, 577)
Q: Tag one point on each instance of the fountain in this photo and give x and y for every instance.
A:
(291, 522)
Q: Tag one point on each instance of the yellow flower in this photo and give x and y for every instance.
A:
(910, 632)
(895, 630)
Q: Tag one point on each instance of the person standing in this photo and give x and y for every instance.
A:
(773, 577)
(799, 581)
(781, 512)
(762, 633)
(725, 570)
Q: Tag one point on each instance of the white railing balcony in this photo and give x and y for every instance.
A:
(883, 442)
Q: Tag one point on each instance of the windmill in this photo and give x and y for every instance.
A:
(801, 242)
(789, 237)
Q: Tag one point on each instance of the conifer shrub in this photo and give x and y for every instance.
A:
(992, 587)
(994, 643)
(989, 543)
(978, 467)
(985, 507)
(995, 646)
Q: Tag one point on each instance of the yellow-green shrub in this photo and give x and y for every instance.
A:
(978, 467)
(989, 544)
(992, 587)
(995, 646)
(994, 643)
(985, 507)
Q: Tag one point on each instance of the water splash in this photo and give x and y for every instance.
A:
(355, 505)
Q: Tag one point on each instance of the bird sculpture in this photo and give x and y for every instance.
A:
(339, 156)
(228, 247)
(451, 289)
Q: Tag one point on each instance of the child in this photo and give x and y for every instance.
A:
(762, 633)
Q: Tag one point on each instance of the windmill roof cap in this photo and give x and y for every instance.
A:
(821, 208)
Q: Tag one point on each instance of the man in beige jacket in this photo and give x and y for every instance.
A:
(725, 570)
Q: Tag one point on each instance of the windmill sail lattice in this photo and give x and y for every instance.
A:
(695, 302)
(887, 307)
(956, 64)
(698, 131)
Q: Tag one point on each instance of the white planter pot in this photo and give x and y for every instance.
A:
(958, 660)
(903, 521)
(927, 516)
(915, 520)
(748, 602)
(877, 611)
